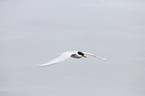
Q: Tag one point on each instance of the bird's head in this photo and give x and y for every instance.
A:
(82, 54)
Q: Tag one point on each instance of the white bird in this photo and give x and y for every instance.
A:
(68, 54)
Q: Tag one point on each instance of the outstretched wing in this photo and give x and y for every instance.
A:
(61, 58)
(104, 59)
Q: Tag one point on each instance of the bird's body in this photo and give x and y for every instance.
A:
(68, 54)
(75, 54)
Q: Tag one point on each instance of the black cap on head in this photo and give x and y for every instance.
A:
(80, 53)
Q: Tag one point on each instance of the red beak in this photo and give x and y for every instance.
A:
(84, 56)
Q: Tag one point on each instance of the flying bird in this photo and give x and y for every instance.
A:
(68, 54)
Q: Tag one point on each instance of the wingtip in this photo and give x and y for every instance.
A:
(40, 65)
(37, 65)
(105, 59)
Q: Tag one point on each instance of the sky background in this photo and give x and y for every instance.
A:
(33, 32)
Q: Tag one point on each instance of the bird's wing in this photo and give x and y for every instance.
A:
(61, 58)
(104, 59)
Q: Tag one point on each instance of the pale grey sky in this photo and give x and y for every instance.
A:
(33, 31)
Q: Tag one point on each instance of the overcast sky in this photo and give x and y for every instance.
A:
(33, 31)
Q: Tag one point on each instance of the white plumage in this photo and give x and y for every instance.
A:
(68, 54)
